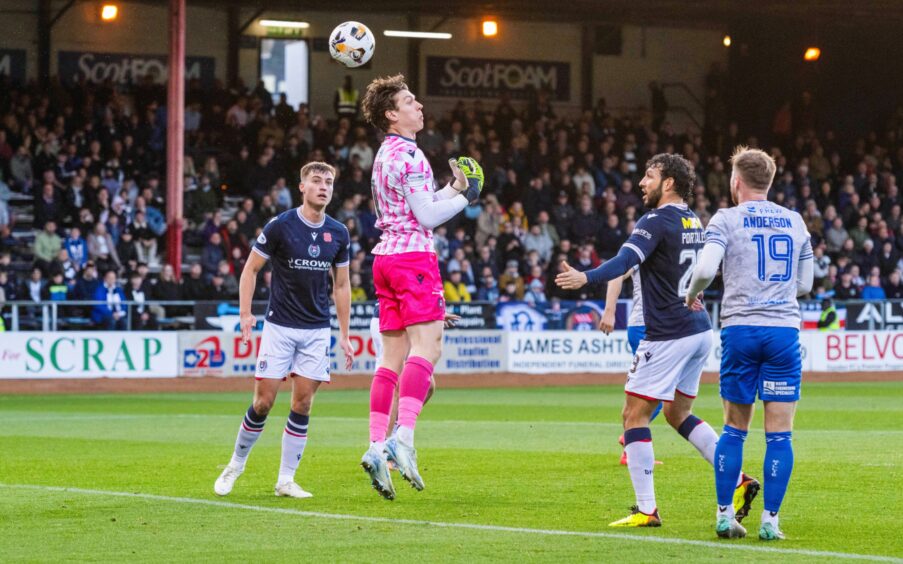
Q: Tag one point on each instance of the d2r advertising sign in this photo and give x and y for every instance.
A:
(80, 354)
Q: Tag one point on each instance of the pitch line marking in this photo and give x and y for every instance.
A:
(466, 526)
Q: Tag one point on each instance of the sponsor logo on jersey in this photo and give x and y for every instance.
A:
(327, 237)
(691, 223)
(262, 239)
(643, 233)
(314, 235)
(313, 250)
(308, 264)
(420, 278)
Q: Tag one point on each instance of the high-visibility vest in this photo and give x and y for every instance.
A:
(347, 102)
(835, 325)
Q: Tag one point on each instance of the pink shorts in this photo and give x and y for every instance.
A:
(409, 290)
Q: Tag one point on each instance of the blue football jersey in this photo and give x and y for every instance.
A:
(668, 241)
(302, 254)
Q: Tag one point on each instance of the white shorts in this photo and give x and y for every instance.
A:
(286, 350)
(662, 367)
(377, 339)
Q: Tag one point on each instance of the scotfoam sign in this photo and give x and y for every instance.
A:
(487, 78)
(89, 355)
(12, 65)
(127, 69)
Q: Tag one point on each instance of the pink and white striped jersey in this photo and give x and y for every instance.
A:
(400, 168)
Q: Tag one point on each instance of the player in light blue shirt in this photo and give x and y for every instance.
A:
(767, 263)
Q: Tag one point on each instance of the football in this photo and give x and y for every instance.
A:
(352, 44)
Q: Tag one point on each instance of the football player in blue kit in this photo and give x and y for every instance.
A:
(667, 367)
(303, 245)
(767, 263)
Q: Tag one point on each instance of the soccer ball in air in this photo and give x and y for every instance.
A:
(352, 44)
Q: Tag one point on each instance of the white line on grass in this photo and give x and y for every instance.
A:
(467, 526)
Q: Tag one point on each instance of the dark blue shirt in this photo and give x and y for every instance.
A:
(301, 255)
(668, 241)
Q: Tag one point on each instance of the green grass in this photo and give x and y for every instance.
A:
(527, 458)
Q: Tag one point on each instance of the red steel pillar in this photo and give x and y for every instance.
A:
(175, 134)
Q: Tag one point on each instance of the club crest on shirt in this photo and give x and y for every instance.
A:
(262, 239)
(263, 365)
(313, 250)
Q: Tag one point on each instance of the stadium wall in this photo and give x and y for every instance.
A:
(651, 53)
(80, 355)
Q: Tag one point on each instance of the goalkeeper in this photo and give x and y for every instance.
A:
(406, 272)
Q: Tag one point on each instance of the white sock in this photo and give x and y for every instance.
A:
(769, 517)
(726, 511)
(641, 464)
(705, 439)
(292, 451)
(405, 435)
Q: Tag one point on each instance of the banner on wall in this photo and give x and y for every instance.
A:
(583, 315)
(855, 351)
(568, 351)
(12, 65)
(461, 77)
(125, 69)
(82, 354)
(875, 316)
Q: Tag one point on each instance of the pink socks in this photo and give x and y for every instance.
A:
(382, 391)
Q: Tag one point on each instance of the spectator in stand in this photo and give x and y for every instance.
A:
(873, 290)
(77, 247)
(138, 290)
(212, 254)
(511, 275)
(454, 288)
(127, 250)
(488, 290)
(110, 314)
(230, 282)
(358, 294)
(47, 246)
(835, 236)
(33, 288)
(893, 288)
(48, 206)
(846, 290)
(194, 287)
(102, 250)
(539, 241)
(65, 266)
(586, 224)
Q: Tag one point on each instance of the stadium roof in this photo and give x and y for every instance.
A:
(660, 12)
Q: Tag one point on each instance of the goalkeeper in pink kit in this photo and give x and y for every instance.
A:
(406, 273)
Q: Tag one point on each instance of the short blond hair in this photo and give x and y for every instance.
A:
(317, 166)
(755, 167)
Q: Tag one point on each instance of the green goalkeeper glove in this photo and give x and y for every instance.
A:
(468, 177)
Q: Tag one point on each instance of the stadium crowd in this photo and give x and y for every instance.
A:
(82, 212)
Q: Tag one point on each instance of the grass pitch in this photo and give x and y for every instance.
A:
(531, 465)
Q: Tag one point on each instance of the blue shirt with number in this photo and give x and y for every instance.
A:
(668, 241)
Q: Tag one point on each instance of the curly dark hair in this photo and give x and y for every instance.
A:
(677, 168)
(380, 98)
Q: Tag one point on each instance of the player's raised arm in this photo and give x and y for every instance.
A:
(246, 286)
(433, 209)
